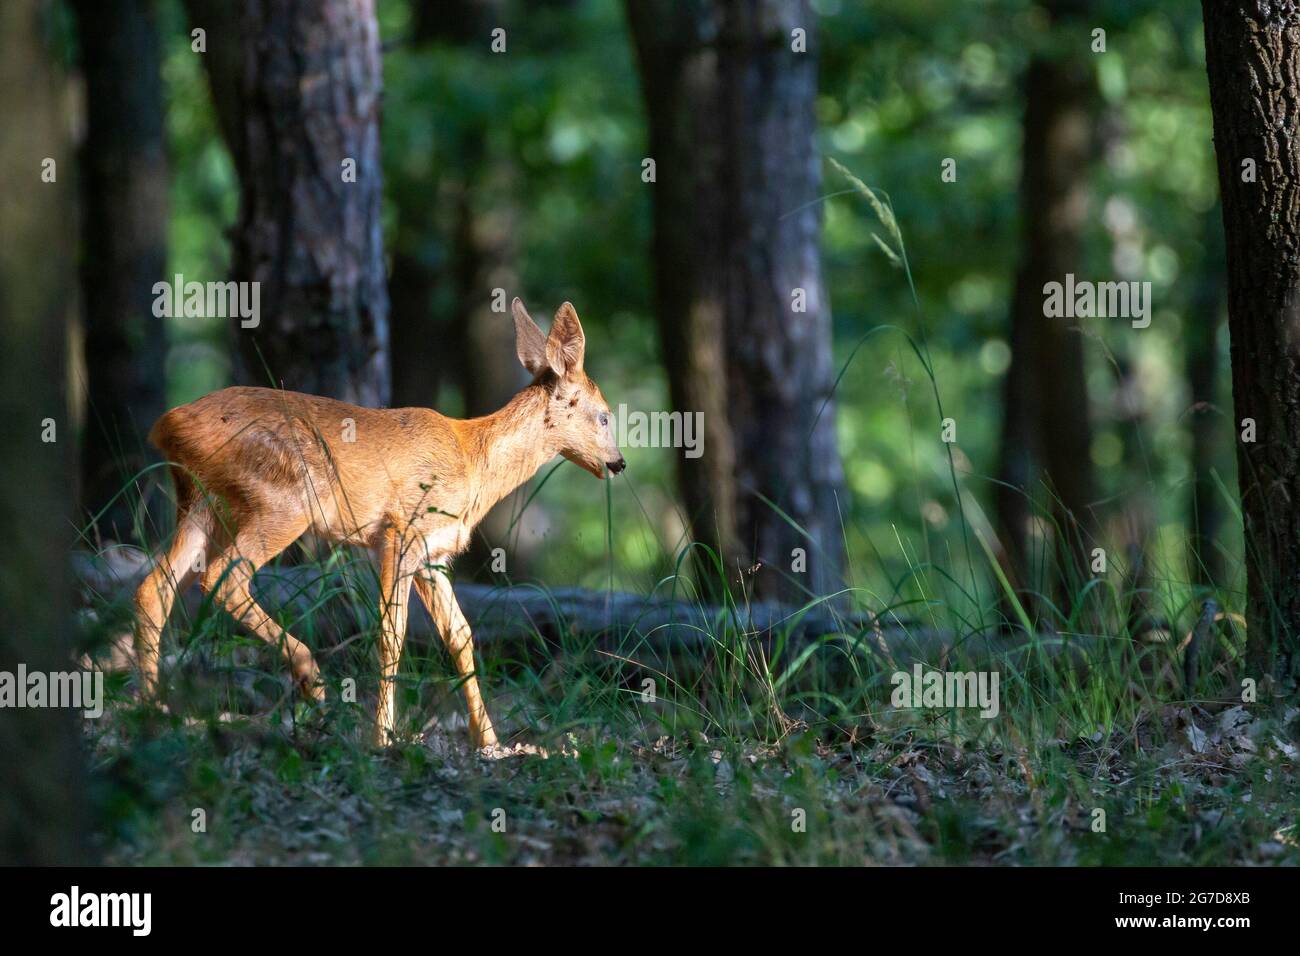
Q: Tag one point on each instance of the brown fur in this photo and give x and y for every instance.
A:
(256, 468)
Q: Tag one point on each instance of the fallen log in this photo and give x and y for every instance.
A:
(654, 631)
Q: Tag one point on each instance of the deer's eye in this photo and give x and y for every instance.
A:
(604, 420)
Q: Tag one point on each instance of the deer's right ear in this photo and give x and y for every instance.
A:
(530, 342)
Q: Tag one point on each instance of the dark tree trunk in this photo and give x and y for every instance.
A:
(42, 811)
(1136, 517)
(455, 246)
(1046, 394)
(427, 345)
(309, 100)
(1206, 421)
(779, 359)
(123, 250)
(485, 254)
(736, 234)
(222, 61)
(420, 345)
(1252, 54)
(488, 371)
(679, 79)
(1019, 453)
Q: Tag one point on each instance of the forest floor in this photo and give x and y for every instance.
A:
(1197, 785)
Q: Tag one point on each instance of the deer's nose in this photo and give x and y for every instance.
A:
(615, 467)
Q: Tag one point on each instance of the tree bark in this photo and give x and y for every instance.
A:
(1046, 414)
(309, 100)
(679, 79)
(42, 813)
(743, 313)
(1252, 54)
(123, 170)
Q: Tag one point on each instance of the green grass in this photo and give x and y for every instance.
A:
(903, 792)
(748, 754)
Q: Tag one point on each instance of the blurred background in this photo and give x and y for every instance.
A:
(515, 160)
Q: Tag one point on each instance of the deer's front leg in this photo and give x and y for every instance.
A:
(395, 575)
(436, 592)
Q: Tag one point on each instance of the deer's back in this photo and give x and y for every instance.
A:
(348, 469)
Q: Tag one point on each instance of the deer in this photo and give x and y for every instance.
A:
(257, 468)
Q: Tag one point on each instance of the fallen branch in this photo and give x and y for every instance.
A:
(525, 620)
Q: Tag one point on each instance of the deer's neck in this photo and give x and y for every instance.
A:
(507, 448)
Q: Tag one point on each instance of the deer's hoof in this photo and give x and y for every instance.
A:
(311, 688)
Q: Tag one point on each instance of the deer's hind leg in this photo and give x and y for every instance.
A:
(229, 577)
(174, 570)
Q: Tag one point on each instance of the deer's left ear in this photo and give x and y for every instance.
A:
(566, 345)
(530, 343)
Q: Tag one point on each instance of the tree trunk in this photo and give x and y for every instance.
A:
(419, 343)
(1252, 53)
(42, 818)
(1135, 519)
(1019, 453)
(1201, 361)
(456, 336)
(123, 251)
(309, 228)
(485, 255)
(779, 353)
(744, 317)
(1046, 393)
(489, 371)
(428, 347)
(222, 60)
(679, 79)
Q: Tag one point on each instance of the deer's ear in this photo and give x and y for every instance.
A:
(566, 345)
(530, 342)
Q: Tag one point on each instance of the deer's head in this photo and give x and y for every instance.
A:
(577, 415)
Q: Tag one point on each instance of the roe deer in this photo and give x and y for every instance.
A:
(255, 468)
